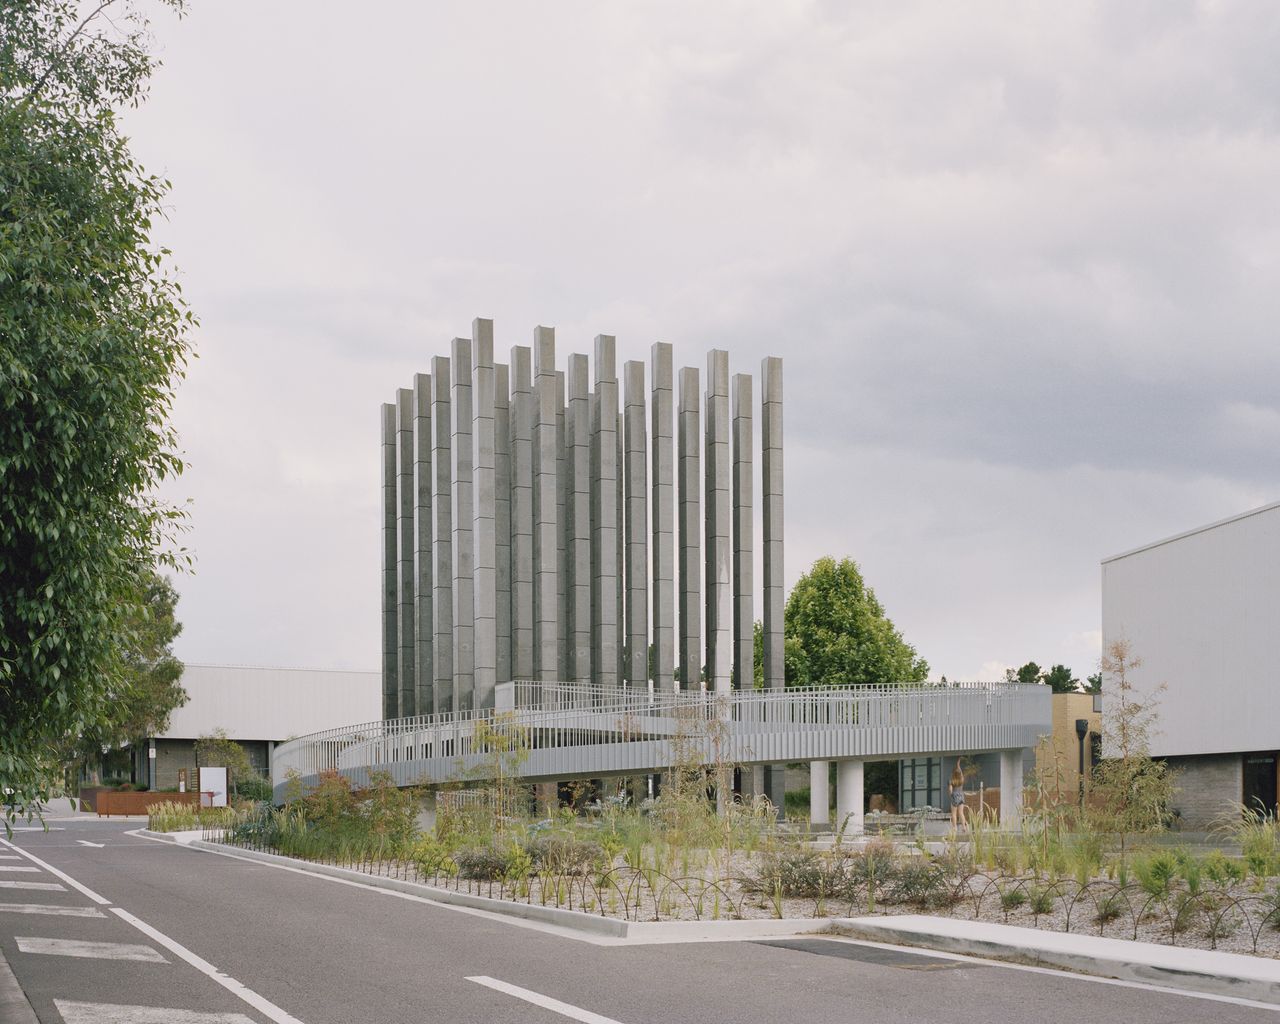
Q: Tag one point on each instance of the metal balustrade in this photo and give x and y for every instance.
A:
(571, 730)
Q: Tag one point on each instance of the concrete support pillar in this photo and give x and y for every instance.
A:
(390, 569)
(405, 540)
(718, 522)
(578, 516)
(423, 621)
(442, 534)
(521, 514)
(502, 515)
(771, 515)
(819, 794)
(1010, 788)
(604, 516)
(460, 407)
(662, 467)
(636, 528)
(689, 517)
(744, 641)
(849, 797)
(546, 507)
(484, 514)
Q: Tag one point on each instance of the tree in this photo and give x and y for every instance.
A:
(1029, 673)
(1131, 790)
(1062, 680)
(93, 340)
(837, 633)
(149, 684)
(1094, 683)
(217, 751)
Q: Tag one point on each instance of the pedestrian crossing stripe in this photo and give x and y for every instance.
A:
(89, 950)
(112, 1013)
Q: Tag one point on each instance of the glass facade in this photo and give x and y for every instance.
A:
(920, 782)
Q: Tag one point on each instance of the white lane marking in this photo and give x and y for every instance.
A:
(113, 1013)
(51, 909)
(18, 867)
(546, 1002)
(57, 874)
(87, 950)
(85, 842)
(259, 1003)
(9, 856)
(50, 886)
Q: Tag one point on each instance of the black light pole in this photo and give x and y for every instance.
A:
(1082, 730)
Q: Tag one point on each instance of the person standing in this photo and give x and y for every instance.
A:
(959, 812)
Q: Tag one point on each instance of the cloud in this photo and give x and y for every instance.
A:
(1020, 262)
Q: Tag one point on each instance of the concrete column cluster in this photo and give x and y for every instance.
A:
(577, 525)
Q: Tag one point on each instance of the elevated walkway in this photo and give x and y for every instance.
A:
(579, 731)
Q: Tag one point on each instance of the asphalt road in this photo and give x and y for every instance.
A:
(301, 948)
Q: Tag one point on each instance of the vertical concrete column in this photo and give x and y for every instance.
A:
(718, 515)
(405, 538)
(484, 516)
(661, 491)
(849, 797)
(442, 509)
(744, 641)
(564, 591)
(771, 514)
(604, 516)
(636, 528)
(819, 794)
(502, 514)
(522, 629)
(1010, 788)
(546, 525)
(578, 509)
(689, 501)
(423, 622)
(620, 581)
(390, 568)
(463, 540)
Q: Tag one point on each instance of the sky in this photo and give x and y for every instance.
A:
(1020, 261)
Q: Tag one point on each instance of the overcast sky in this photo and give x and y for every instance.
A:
(1020, 260)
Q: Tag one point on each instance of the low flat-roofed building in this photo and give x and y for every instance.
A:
(1201, 611)
(257, 707)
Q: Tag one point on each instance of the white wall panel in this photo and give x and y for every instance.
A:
(1202, 610)
(272, 703)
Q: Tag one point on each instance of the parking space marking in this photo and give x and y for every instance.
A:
(87, 950)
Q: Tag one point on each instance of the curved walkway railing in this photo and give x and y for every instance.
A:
(573, 730)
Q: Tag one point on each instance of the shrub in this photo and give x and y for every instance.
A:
(564, 854)
(255, 788)
(487, 863)
(1042, 900)
(918, 883)
(1012, 899)
(1110, 907)
(1156, 872)
(1222, 870)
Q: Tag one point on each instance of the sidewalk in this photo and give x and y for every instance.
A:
(1196, 970)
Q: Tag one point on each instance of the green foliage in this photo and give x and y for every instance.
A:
(1041, 900)
(217, 751)
(1013, 898)
(173, 817)
(1258, 833)
(837, 633)
(1156, 872)
(1060, 679)
(254, 787)
(92, 344)
(1131, 792)
(1093, 683)
(1222, 870)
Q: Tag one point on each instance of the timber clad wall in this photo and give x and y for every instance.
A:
(530, 520)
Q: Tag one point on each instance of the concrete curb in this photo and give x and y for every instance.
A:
(14, 1008)
(1197, 970)
(573, 920)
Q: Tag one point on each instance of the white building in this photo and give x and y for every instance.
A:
(1201, 610)
(259, 707)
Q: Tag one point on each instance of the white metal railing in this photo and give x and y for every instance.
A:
(575, 729)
